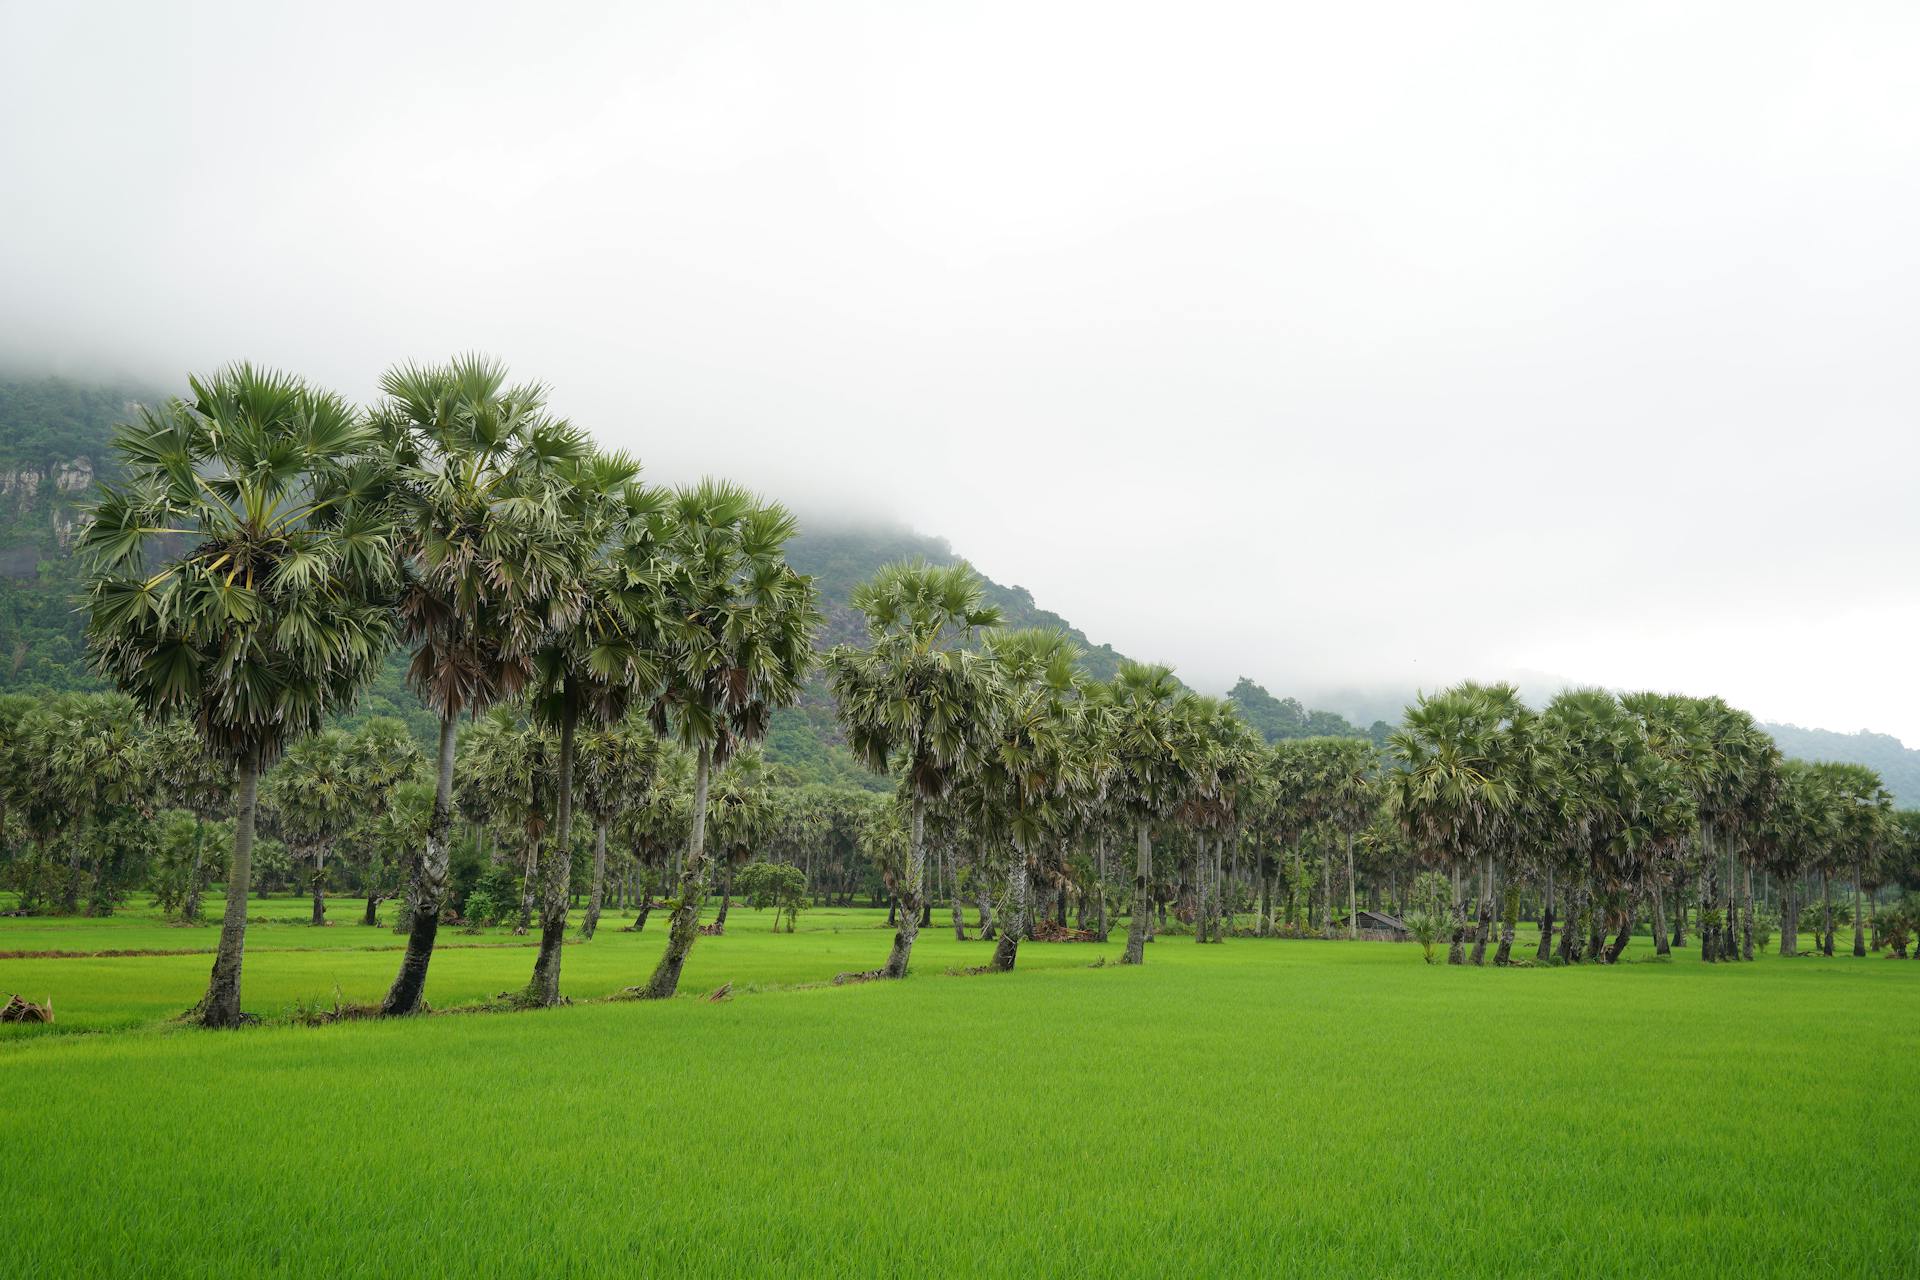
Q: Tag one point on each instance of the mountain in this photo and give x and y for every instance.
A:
(53, 446)
(1898, 764)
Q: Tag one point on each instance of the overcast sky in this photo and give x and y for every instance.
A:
(1362, 344)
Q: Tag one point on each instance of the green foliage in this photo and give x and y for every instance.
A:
(779, 885)
(495, 895)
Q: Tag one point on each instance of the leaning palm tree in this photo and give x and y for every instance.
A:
(735, 642)
(271, 616)
(482, 551)
(916, 697)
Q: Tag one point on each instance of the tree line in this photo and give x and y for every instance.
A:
(603, 638)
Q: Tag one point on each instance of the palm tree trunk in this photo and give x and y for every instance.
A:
(1353, 906)
(684, 925)
(959, 913)
(1007, 950)
(1136, 952)
(1545, 949)
(429, 885)
(1509, 917)
(1660, 944)
(726, 894)
(76, 851)
(1202, 868)
(1266, 899)
(1457, 942)
(1746, 909)
(983, 900)
(1484, 928)
(319, 885)
(1625, 934)
(1679, 912)
(1100, 888)
(1789, 918)
(1859, 920)
(220, 1007)
(911, 898)
(529, 884)
(1826, 913)
(557, 873)
(598, 895)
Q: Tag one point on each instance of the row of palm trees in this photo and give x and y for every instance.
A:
(271, 543)
(94, 799)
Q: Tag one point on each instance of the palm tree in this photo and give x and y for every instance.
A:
(740, 815)
(381, 758)
(90, 756)
(1348, 781)
(272, 616)
(1456, 782)
(595, 661)
(317, 797)
(1865, 822)
(186, 777)
(482, 555)
(735, 643)
(917, 698)
(617, 766)
(1027, 770)
(1143, 707)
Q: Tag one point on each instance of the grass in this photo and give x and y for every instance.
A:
(1244, 1109)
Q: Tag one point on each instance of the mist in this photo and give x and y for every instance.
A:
(1364, 347)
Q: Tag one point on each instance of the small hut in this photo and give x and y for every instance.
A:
(1378, 926)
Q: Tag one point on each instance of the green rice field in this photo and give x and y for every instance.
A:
(1260, 1107)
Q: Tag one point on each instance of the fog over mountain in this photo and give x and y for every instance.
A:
(1360, 347)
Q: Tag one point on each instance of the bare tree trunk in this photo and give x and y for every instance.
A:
(1136, 952)
(594, 900)
(684, 925)
(220, 1007)
(557, 874)
(911, 895)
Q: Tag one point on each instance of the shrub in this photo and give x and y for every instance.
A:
(495, 895)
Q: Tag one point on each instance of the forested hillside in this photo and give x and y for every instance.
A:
(53, 444)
